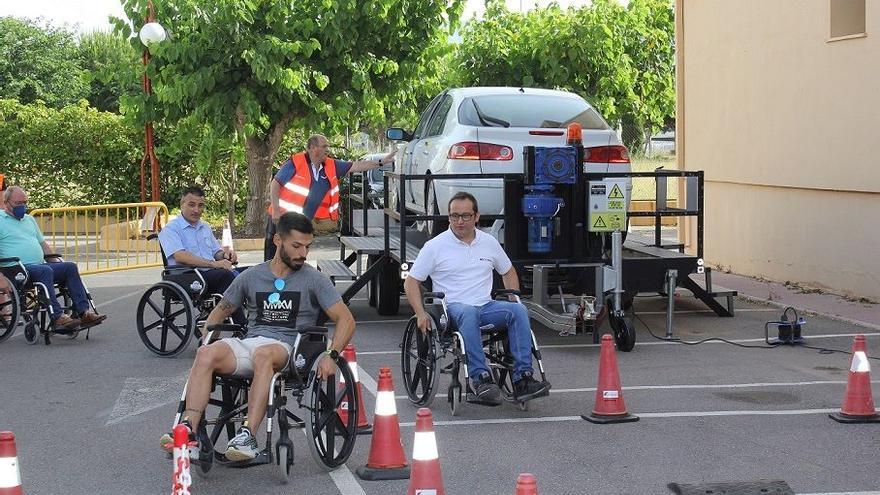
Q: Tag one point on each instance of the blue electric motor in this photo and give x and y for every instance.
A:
(539, 205)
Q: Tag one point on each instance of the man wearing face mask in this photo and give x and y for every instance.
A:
(281, 296)
(20, 237)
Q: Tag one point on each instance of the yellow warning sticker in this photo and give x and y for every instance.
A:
(606, 222)
(615, 193)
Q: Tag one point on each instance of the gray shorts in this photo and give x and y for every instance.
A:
(243, 350)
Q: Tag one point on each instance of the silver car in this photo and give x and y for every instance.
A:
(484, 130)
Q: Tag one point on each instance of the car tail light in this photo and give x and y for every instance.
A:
(470, 150)
(606, 154)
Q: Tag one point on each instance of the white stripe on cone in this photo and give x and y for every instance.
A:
(385, 405)
(860, 363)
(425, 446)
(354, 371)
(10, 477)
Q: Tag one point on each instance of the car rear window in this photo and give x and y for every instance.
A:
(524, 110)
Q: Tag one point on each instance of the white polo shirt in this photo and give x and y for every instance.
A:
(461, 271)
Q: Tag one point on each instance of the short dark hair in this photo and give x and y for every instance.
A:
(460, 195)
(294, 221)
(194, 190)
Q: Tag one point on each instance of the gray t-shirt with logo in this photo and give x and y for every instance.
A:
(306, 293)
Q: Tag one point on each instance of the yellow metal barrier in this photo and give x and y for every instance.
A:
(105, 238)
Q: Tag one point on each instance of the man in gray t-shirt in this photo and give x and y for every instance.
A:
(280, 296)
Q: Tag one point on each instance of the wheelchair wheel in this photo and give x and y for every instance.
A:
(31, 332)
(624, 333)
(284, 461)
(330, 439)
(206, 453)
(165, 319)
(9, 314)
(418, 361)
(36, 318)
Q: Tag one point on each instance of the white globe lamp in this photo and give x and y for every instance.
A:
(152, 32)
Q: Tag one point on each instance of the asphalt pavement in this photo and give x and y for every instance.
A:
(88, 414)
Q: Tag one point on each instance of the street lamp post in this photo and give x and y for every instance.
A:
(151, 32)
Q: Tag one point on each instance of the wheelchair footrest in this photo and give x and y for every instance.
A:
(261, 458)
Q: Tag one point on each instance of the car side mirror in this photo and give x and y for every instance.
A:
(398, 134)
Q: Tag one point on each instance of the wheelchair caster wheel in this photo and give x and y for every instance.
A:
(455, 399)
(284, 461)
(31, 332)
(522, 406)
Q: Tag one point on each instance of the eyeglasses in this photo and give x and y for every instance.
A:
(456, 217)
(275, 296)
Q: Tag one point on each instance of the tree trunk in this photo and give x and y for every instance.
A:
(259, 163)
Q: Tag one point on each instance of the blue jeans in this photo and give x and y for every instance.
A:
(66, 274)
(512, 315)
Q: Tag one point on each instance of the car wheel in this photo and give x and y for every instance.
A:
(433, 227)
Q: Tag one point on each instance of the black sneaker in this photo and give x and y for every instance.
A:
(242, 447)
(527, 388)
(486, 392)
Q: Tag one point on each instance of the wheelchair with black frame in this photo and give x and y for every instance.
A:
(28, 304)
(173, 310)
(329, 408)
(422, 353)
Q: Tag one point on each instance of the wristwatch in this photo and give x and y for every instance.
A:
(333, 353)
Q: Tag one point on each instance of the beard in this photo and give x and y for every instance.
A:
(293, 264)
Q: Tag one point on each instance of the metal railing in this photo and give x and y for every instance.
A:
(104, 238)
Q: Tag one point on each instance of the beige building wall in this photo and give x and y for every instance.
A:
(785, 122)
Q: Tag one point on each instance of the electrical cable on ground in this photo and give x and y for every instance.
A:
(768, 345)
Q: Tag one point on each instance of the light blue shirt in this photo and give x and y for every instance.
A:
(20, 239)
(180, 235)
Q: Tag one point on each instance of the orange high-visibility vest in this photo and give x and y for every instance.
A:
(293, 195)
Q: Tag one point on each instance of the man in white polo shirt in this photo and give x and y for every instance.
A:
(460, 263)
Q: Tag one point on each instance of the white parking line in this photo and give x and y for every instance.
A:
(691, 386)
(115, 299)
(659, 342)
(676, 414)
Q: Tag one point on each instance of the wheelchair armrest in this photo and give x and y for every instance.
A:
(313, 329)
(48, 257)
(226, 327)
(9, 260)
(428, 297)
(505, 292)
(178, 269)
(152, 236)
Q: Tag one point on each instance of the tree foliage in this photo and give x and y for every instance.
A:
(619, 58)
(111, 67)
(260, 67)
(39, 63)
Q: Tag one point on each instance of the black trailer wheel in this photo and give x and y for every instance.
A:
(388, 289)
(166, 319)
(624, 333)
(331, 439)
(419, 361)
(371, 285)
(10, 311)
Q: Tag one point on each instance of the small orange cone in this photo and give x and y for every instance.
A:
(858, 403)
(181, 479)
(426, 478)
(10, 473)
(387, 460)
(526, 484)
(364, 426)
(609, 407)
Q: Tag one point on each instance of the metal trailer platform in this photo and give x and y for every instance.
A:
(648, 265)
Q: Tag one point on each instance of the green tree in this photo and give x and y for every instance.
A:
(619, 58)
(39, 63)
(111, 67)
(261, 67)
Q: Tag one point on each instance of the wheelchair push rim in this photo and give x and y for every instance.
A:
(165, 319)
(418, 361)
(10, 311)
(323, 401)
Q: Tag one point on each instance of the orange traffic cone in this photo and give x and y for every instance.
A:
(609, 407)
(426, 477)
(387, 460)
(526, 484)
(858, 403)
(181, 479)
(364, 426)
(10, 474)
